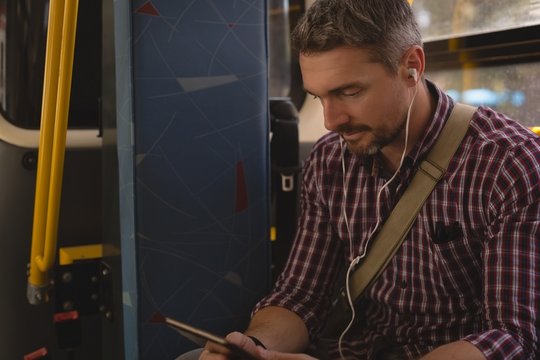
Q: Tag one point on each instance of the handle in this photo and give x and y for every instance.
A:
(55, 107)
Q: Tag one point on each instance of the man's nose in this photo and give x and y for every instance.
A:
(334, 115)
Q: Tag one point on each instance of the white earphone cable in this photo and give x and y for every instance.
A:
(344, 202)
(386, 184)
(356, 260)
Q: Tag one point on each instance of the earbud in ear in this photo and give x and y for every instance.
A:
(413, 74)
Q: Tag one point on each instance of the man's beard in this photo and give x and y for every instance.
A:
(381, 139)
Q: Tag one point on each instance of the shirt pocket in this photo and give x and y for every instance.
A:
(445, 233)
(456, 260)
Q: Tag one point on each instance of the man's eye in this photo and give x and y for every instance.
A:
(350, 93)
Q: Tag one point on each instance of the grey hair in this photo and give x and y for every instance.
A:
(386, 28)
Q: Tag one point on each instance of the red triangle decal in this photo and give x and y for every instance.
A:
(147, 8)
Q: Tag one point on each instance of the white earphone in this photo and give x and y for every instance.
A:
(413, 74)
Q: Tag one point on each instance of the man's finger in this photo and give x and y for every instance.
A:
(244, 343)
(215, 351)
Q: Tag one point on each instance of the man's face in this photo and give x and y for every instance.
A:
(361, 99)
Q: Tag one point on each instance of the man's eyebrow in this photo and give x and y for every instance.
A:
(338, 89)
(345, 87)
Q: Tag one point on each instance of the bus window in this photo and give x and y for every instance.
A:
(23, 35)
(279, 61)
(511, 89)
(490, 60)
(453, 18)
(283, 69)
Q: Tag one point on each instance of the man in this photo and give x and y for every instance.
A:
(465, 283)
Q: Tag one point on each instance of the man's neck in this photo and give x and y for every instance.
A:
(421, 114)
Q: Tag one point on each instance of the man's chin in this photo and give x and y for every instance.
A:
(361, 150)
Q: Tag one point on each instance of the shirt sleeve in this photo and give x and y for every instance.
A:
(304, 285)
(511, 280)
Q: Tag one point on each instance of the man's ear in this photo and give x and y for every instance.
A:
(414, 61)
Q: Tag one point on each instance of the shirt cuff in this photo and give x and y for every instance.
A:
(497, 345)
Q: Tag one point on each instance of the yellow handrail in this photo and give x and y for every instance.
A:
(55, 107)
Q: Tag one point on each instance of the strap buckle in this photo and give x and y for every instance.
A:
(432, 169)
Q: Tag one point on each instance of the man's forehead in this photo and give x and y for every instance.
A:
(330, 71)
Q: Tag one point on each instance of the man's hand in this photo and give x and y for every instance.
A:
(217, 352)
(461, 350)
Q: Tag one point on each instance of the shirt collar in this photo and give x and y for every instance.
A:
(442, 111)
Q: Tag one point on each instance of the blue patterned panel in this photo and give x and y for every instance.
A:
(201, 166)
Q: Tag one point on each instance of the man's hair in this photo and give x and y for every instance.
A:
(386, 28)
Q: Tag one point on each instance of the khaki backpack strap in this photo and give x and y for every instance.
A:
(400, 221)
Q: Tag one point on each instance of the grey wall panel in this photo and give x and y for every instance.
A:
(26, 327)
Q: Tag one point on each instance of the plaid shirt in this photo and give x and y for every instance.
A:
(470, 267)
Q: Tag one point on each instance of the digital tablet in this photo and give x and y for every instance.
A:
(199, 336)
